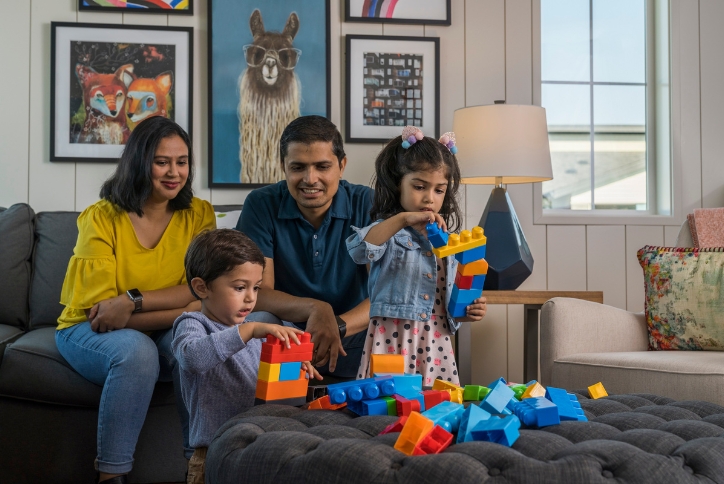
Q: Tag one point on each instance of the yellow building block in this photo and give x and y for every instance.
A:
(534, 390)
(269, 371)
(460, 243)
(597, 391)
(444, 385)
(387, 364)
(456, 396)
(477, 268)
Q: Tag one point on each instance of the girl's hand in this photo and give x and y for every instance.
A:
(311, 370)
(285, 334)
(418, 220)
(476, 311)
(111, 314)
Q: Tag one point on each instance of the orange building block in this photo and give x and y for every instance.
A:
(460, 243)
(415, 429)
(324, 403)
(275, 351)
(477, 268)
(597, 391)
(534, 390)
(280, 390)
(387, 364)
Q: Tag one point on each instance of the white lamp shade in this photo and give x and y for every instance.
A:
(504, 141)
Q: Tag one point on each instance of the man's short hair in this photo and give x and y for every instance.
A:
(308, 130)
(215, 252)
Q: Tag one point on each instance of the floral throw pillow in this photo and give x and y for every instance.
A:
(684, 297)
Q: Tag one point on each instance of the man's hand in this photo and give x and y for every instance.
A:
(476, 311)
(322, 325)
(111, 314)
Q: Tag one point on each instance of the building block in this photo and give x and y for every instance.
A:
(597, 391)
(568, 406)
(434, 442)
(434, 397)
(458, 243)
(469, 282)
(387, 364)
(369, 407)
(534, 390)
(397, 426)
(460, 299)
(294, 402)
(474, 392)
(537, 412)
(518, 390)
(497, 382)
(290, 371)
(356, 390)
(316, 392)
(497, 399)
(277, 390)
(471, 255)
(414, 430)
(471, 417)
(407, 385)
(436, 236)
(269, 371)
(447, 415)
(323, 403)
(404, 406)
(477, 268)
(274, 351)
(391, 406)
(503, 431)
(439, 384)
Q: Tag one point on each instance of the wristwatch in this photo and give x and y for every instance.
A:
(342, 325)
(137, 298)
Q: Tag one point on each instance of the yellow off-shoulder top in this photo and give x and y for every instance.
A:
(108, 259)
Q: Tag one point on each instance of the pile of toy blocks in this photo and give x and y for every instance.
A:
(469, 250)
(281, 378)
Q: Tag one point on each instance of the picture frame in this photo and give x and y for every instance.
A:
(249, 106)
(106, 78)
(164, 7)
(429, 12)
(391, 82)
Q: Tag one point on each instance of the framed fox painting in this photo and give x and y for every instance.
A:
(269, 63)
(105, 79)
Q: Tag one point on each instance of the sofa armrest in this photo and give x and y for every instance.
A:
(570, 326)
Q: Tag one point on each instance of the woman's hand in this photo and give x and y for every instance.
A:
(111, 314)
(419, 220)
(476, 311)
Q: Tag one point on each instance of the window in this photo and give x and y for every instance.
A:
(605, 87)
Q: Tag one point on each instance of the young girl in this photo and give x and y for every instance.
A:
(417, 180)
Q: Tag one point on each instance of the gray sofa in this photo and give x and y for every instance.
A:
(48, 412)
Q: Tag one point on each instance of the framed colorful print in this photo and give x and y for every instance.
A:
(177, 7)
(391, 82)
(429, 12)
(269, 63)
(105, 79)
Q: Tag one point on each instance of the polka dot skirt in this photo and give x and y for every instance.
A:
(426, 345)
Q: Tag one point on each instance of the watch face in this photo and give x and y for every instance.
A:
(135, 294)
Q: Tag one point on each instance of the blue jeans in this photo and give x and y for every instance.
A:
(347, 366)
(127, 364)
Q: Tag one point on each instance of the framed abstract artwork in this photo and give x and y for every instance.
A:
(431, 12)
(269, 63)
(107, 78)
(178, 7)
(391, 82)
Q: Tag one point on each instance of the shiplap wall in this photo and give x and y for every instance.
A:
(487, 54)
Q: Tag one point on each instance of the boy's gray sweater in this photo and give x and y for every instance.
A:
(218, 373)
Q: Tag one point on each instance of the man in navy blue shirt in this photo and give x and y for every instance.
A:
(300, 224)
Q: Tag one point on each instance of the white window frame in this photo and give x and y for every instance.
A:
(625, 217)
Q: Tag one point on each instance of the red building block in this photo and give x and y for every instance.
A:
(433, 443)
(396, 426)
(275, 351)
(405, 407)
(433, 397)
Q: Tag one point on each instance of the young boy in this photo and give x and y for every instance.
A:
(218, 352)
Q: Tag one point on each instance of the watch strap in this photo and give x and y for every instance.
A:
(342, 325)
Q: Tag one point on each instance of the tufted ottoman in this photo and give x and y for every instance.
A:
(634, 438)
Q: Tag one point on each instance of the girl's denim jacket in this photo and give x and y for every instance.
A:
(403, 274)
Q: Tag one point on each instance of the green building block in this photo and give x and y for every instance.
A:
(391, 406)
(518, 390)
(474, 392)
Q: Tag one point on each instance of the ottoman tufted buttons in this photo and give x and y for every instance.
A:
(396, 466)
(494, 472)
(689, 469)
(607, 473)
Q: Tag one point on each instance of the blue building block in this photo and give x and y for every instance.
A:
(446, 414)
(471, 255)
(461, 299)
(568, 406)
(537, 412)
(368, 407)
(356, 390)
(408, 386)
(471, 417)
(478, 282)
(503, 431)
(435, 235)
(290, 371)
(497, 399)
(495, 383)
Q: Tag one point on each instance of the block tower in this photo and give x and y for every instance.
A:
(281, 377)
(469, 250)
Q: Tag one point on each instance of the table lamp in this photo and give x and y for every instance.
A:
(497, 145)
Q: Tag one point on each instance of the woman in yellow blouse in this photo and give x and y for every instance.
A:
(126, 284)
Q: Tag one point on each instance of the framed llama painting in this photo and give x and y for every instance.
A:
(180, 7)
(431, 12)
(269, 63)
(391, 82)
(107, 78)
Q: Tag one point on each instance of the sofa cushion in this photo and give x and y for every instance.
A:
(684, 375)
(33, 369)
(16, 248)
(56, 234)
(684, 295)
(7, 335)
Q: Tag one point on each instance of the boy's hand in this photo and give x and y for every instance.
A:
(476, 311)
(311, 370)
(260, 330)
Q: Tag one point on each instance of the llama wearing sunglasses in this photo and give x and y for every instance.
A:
(270, 95)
